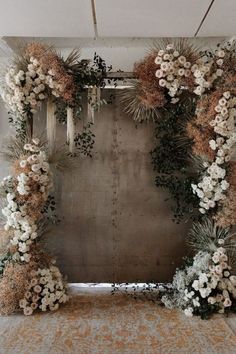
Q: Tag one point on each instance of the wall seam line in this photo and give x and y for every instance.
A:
(204, 17)
(94, 18)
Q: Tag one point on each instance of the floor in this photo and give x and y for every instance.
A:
(95, 322)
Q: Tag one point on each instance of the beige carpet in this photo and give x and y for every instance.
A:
(99, 323)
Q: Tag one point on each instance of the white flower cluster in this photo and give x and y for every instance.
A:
(25, 90)
(203, 75)
(174, 68)
(216, 285)
(7, 184)
(46, 291)
(211, 189)
(25, 228)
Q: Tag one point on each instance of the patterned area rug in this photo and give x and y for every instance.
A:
(106, 324)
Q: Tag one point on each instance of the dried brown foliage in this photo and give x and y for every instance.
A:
(16, 277)
(151, 94)
(201, 137)
(206, 108)
(227, 214)
(13, 285)
(5, 237)
(35, 200)
(199, 129)
(49, 60)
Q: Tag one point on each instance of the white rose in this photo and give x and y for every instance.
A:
(188, 312)
(227, 302)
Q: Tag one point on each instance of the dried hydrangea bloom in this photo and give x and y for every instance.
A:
(206, 108)
(201, 137)
(151, 94)
(13, 285)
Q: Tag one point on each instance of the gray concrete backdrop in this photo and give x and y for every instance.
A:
(115, 225)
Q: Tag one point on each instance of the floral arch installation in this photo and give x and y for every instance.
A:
(29, 278)
(189, 95)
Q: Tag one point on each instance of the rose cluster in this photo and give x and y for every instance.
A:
(205, 73)
(173, 68)
(46, 291)
(217, 286)
(204, 286)
(176, 73)
(34, 179)
(211, 189)
(24, 91)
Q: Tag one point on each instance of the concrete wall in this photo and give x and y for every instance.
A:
(115, 224)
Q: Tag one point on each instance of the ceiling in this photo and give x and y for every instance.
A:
(117, 18)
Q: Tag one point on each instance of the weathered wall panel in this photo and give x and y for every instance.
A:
(115, 225)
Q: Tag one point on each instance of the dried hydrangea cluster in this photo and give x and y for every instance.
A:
(45, 291)
(206, 286)
(26, 193)
(53, 70)
(213, 186)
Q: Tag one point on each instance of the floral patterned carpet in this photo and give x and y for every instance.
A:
(99, 323)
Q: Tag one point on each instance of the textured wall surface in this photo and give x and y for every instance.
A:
(115, 225)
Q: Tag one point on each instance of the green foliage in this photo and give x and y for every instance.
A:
(171, 157)
(179, 188)
(85, 75)
(84, 141)
(49, 210)
(204, 236)
(4, 258)
(205, 310)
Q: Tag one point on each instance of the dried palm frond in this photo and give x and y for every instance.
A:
(72, 60)
(134, 106)
(13, 147)
(204, 236)
(182, 45)
(198, 163)
(60, 159)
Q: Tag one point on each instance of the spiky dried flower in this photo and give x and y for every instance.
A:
(136, 104)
